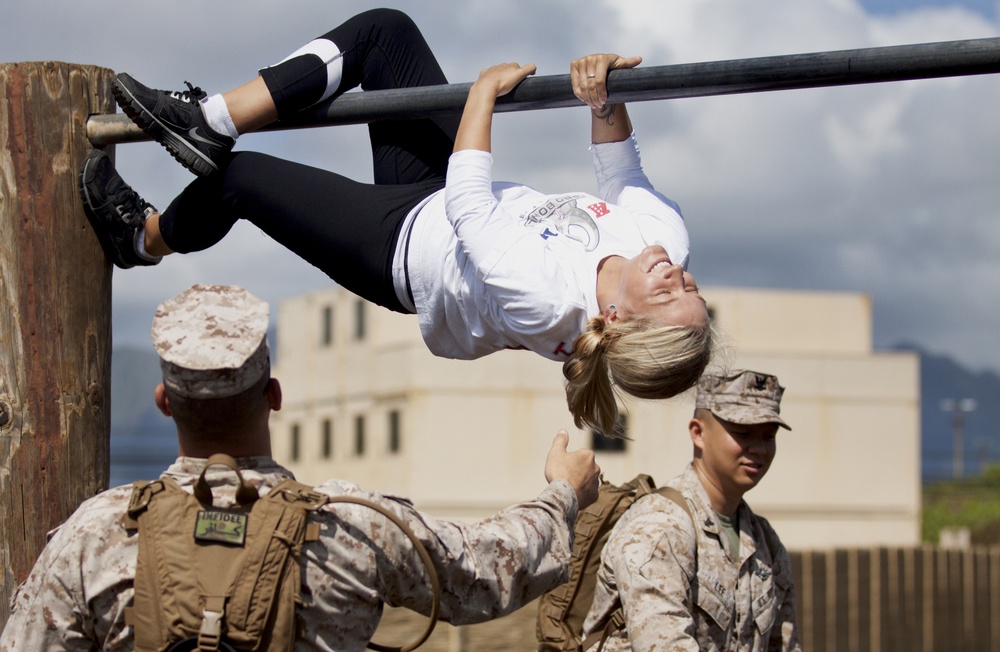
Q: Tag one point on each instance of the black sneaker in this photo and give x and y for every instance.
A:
(175, 120)
(116, 212)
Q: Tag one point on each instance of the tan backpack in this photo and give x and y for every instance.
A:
(210, 578)
(563, 610)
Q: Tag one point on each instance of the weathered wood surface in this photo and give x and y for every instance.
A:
(55, 310)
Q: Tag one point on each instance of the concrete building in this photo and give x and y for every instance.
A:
(364, 400)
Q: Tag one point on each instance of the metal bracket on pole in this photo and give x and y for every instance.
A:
(811, 70)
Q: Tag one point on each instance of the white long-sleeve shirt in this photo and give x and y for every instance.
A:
(502, 266)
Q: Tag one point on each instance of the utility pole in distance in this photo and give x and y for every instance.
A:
(958, 409)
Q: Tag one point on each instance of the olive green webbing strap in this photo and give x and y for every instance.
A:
(616, 620)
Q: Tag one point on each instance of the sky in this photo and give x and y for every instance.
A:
(892, 190)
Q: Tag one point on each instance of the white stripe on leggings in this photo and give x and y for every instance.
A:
(330, 55)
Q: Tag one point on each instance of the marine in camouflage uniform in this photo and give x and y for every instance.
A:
(76, 595)
(683, 581)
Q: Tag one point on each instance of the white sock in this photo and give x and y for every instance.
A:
(140, 246)
(217, 114)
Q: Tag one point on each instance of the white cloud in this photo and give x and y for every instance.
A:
(859, 144)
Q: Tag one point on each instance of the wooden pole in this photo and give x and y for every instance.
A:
(55, 310)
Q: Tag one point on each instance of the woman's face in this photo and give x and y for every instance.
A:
(659, 292)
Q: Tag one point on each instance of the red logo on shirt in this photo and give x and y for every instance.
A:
(600, 209)
(561, 350)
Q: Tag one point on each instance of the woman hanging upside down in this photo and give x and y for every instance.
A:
(596, 282)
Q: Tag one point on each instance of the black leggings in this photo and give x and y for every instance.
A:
(345, 228)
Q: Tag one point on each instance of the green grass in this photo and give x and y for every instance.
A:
(973, 503)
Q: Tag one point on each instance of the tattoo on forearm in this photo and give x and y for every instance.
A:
(606, 113)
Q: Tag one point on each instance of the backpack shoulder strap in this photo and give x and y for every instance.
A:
(266, 588)
(678, 498)
(617, 618)
(562, 611)
(142, 492)
(301, 496)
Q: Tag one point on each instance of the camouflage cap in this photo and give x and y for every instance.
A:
(744, 397)
(212, 341)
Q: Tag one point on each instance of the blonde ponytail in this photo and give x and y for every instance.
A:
(626, 355)
(589, 392)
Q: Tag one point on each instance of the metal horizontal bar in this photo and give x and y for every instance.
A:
(811, 70)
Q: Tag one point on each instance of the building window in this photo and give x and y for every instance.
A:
(327, 326)
(295, 442)
(359, 320)
(327, 439)
(616, 444)
(359, 435)
(394, 433)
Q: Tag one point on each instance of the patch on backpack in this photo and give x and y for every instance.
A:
(221, 527)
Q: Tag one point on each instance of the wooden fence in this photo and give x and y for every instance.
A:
(908, 599)
(880, 600)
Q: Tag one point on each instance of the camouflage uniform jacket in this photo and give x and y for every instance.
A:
(75, 597)
(673, 601)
